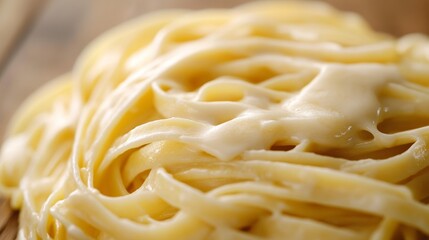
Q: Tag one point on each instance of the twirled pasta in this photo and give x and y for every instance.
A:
(273, 120)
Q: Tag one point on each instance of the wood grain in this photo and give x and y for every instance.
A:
(15, 17)
(8, 221)
(67, 26)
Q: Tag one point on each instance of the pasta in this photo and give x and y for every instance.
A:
(272, 120)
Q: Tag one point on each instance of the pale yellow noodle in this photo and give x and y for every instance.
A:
(272, 120)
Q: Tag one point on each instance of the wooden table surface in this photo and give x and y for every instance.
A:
(40, 39)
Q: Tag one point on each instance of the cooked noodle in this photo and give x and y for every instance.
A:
(273, 120)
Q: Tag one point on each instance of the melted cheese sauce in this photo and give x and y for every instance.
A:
(273, 120)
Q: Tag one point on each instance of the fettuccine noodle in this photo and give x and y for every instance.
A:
(272, 120)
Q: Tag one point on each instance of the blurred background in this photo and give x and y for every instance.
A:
(40, 39)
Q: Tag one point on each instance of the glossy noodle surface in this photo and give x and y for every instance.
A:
(272, 120)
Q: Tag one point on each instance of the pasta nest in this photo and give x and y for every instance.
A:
(272, 120)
